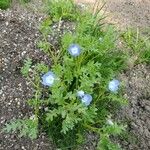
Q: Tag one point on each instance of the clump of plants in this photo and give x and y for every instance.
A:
(139, 46)
(4, 4)
(64, 9)
(80, 90)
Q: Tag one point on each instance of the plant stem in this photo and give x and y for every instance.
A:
(91, 128)
(59, 24)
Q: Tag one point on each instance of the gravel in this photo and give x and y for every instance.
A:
(18, 39)
(19, 36)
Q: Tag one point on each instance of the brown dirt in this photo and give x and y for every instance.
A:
(125, 13)
(18, 37)
(137, 113)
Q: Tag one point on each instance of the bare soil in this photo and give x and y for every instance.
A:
(137, 113)
(19, 35)
(18, 39)
(125, 13)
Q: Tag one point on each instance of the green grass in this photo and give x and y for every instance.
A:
(24, 1)
(138, 46)
(4, 4)
(64, 9)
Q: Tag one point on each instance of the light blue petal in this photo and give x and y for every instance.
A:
(74, 50)
(114, 85)
(45, 76)
(80, 94)
(87, 99)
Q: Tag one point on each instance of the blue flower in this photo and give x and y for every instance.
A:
(86, 99)
(48, 79)
(114, 85)
(80, 94)
(74, 50)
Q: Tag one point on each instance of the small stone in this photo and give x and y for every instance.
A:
(7, 23)
(23, 148)
(147, 108)
(17, 147)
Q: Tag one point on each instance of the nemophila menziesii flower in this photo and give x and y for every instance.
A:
(86, 99)
(114, 85)
(74, 50)
(80, 94)
(48, 79)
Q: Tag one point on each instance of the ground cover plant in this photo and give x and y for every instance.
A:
(138, 44)
(80, 90)
(4, 4)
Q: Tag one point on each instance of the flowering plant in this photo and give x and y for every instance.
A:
(48, 78)
(74, 50)
(114, 85)
(85, 98)
(59, 106)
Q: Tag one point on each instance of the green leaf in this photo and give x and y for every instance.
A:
(119, 99)
(45, 27)
(69, 122)
(52, 114)
(106, 144)
(42, 68)
(114, 129)
(25, 127)
(26, 67)
(45, 46)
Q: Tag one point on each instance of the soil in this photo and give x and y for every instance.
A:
(137, 113)
(125, 13)
(19, 35)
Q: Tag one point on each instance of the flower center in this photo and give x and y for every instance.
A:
(50, 79)
(74, 50)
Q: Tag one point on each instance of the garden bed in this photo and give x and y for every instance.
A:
(19, 35)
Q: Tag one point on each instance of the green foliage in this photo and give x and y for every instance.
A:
(45, 27)
(42, 68)
(91, 71)
(4, 4)
(61, 9)
(24, 1)
(139, 46)
(114, 129)
(132, 40)
(63, 116)
(90, 24)
(45, 46)
(25, 127)
(145, 55)
(106, 144)
(26, 67)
